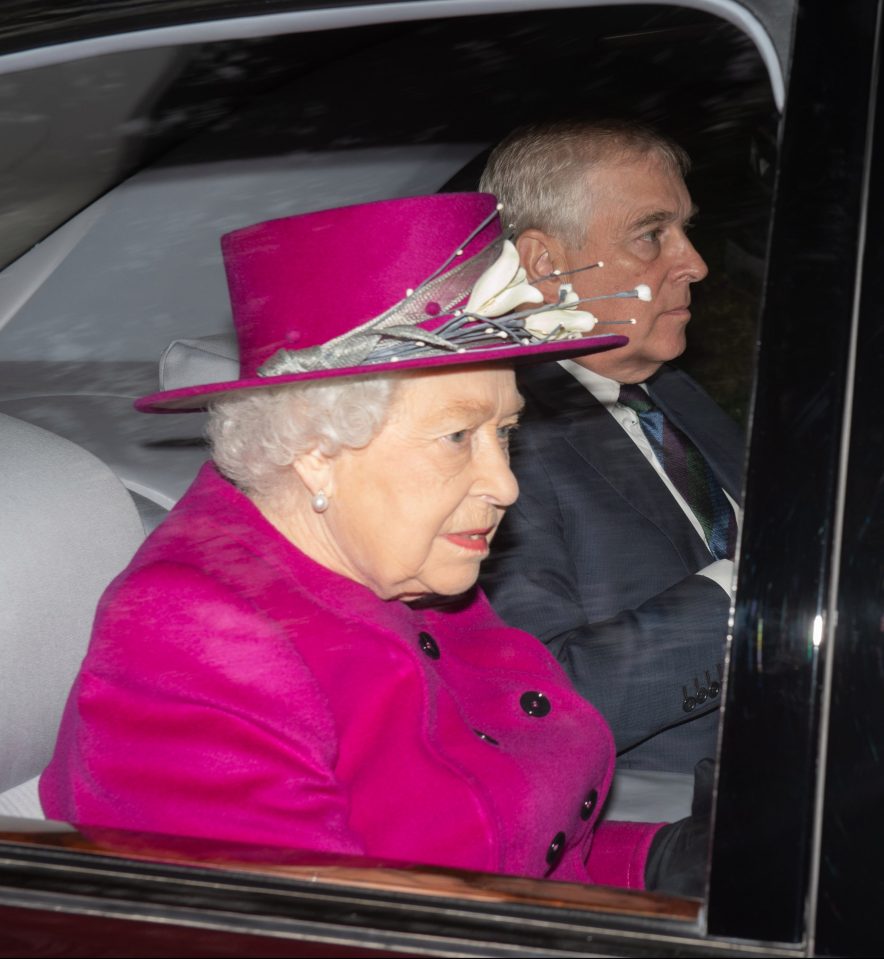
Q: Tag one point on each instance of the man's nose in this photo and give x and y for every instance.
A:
(691, 266)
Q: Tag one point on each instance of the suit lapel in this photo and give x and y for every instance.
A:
(588, 428)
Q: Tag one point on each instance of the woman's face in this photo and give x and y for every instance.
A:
(414, 511)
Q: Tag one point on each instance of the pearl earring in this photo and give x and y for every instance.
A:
(319, 502)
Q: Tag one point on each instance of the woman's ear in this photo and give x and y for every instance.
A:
(540, 255)
(315, 470)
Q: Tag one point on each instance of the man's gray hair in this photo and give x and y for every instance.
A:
(256, 435)
(539, 172)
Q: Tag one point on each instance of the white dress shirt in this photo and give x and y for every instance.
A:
(607, 391)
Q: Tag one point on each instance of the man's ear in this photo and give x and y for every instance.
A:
(316, 471)
(540, 255)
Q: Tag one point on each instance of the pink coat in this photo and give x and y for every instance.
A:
(235, 689)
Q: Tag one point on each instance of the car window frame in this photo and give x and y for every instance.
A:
(781, 684)
(149, 23)
(750, 694)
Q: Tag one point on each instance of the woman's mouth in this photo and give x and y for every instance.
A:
(475, 540)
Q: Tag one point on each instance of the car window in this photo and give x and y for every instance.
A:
(121, 172)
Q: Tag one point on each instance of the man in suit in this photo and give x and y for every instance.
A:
(606, 556)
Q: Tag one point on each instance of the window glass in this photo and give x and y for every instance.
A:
(127, 168)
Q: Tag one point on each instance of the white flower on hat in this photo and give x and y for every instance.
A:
(502, 287)
(569, 323)
(567, 319)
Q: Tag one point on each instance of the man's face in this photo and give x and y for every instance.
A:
(640, 212)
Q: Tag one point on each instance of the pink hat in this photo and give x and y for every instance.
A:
(422, 282)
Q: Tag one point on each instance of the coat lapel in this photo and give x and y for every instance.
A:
(588, 428)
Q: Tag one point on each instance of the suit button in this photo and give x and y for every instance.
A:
(428, 645)
(535, 704)
(556, 850)
(592, 797)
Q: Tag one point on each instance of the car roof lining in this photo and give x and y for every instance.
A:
(352, 16)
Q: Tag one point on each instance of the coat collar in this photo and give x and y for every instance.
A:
(557, 397)
(213, 512)
(566, 411)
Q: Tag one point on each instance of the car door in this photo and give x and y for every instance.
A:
(801, 730)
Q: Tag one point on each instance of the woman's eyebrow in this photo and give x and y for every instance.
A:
(478, 410)
(466, 408)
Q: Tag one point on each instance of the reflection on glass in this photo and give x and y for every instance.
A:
(147, 270)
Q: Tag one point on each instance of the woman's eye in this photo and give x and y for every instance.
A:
(652, 236)
(505, 433)
(458, 437)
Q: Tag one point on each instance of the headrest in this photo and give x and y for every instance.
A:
(69, 526)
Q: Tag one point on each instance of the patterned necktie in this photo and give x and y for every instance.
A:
(688, 471)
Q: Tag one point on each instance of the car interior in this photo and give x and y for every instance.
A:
(69, 527)
(134, 133)
(114, 282)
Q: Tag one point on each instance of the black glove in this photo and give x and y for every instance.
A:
(679, 853)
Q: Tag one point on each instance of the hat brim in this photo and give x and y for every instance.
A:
(193, 399)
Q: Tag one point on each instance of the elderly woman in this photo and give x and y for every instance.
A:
(297, 655)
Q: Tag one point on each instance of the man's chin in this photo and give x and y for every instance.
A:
(668, 351)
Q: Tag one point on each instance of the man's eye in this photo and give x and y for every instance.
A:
(652, 236)
(505, 433)
(459, 437)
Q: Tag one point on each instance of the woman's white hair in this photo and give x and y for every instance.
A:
(256, 435)
(542, 173)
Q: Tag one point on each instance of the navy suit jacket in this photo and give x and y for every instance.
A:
(598, 560)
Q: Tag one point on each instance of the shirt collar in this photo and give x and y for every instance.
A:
(605, 390)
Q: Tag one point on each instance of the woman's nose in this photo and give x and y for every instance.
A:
(496, 481)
